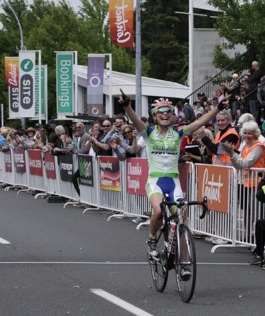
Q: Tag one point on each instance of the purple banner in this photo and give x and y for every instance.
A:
(95, 71)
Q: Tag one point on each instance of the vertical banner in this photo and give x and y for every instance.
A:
(42, 86)
(12, 71)
(27, 63)
(13, 106)
(121, 22)
(64, 83)
(95, 84)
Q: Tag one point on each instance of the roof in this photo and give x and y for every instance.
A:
(127, 82)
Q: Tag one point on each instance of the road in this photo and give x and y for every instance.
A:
(58, 261)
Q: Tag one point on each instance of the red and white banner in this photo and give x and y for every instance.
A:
(121, 22)
(137, 174)
(12, 71)
(35, 162)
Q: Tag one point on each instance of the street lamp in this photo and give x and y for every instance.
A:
(22, 47)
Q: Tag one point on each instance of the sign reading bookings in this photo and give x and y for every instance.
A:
(213, 182)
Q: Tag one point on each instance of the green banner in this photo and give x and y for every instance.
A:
(43, 90)
(65, 83)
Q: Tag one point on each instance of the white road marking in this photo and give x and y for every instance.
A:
(117, 263)
(121, 303)
(3, 241)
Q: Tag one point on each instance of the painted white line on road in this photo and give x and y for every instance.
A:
(3, 241)
(121, 303)
(117, 263)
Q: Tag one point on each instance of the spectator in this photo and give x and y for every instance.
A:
(226, 133)
(258, 252)
(185, 112)
(251, 156)
(83, 138)
(233, 89)
(128, 146)
(100, 148)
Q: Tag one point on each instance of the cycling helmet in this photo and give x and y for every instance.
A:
(161, 103)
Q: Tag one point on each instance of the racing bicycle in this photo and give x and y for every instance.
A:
(176, 248)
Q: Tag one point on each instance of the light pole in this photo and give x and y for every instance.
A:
(22, 47)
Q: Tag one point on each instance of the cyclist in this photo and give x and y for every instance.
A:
(162, 150)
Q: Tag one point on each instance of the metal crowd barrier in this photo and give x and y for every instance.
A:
(119, 187)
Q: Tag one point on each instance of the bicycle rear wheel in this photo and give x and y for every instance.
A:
(186, 261)
(159, 268)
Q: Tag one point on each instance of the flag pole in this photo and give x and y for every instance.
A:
(138, 66)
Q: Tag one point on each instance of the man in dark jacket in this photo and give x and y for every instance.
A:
(260, 228)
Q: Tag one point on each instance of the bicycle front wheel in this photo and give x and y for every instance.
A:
(185, 265)
(158, 265)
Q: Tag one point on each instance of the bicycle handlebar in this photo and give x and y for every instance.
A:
(181, 202)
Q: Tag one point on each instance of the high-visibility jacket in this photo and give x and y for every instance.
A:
(251, 178)
(224, 159)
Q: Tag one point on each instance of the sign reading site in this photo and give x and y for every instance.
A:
(27, 62)
(64, 83)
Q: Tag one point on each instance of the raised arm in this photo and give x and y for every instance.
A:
(206, 117)
(125, 101)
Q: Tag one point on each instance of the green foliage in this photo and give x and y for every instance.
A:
(165, 39)
(242, 24)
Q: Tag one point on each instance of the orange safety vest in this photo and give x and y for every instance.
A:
(224, 159)
(250, 177)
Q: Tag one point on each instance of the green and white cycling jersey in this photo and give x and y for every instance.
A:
(163, 152)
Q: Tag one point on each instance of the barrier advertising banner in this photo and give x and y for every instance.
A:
(20, 160)
(50, 166)
(27, 67)
(213, 182)
(121, 22)
(12, 71)
(35, 162)
(8, 162)
(64, 83)
(66, 167)
(110, 174)
(85, 164)
(95, 84)
(137, 174)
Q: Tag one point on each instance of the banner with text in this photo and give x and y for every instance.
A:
(110, 173)
(27, 67)
(41, 92)
(137, 174)
(12, 71)
(64, 83)
(121, 22)
(13, 102)
(213, 182)
(95, 85)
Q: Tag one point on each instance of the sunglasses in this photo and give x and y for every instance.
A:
(106, 125)
(164, 110)
(128, 132)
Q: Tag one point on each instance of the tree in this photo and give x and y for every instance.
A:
(165, 39)
(241, 23)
